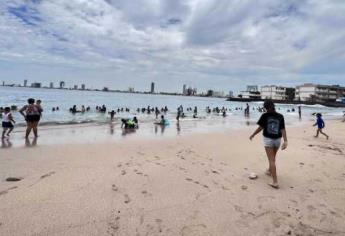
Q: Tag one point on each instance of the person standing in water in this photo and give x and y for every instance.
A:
(32, 115)
(320, 125)
(273, 126)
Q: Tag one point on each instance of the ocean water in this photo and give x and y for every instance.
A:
(65, 99)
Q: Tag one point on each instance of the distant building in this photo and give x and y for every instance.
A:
(51, 85)
(319, 93)
(152, 87)
(83, 87)
(218, 94)
(105, 89)
(252, 92)
(184, 91)
(290, 94)
(190, 91)
(231, 94)
(252, 88)
(25, 83)
(75, 87)
(62, 84)
(130, 89)
(36, 85)
(273, 92)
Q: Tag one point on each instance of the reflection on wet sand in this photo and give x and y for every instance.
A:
(6, 143)
(111, 128)
(178, 127)
(162, 128)
(127, 131)
(29, 143)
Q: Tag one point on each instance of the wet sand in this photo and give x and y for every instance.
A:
(193, 184)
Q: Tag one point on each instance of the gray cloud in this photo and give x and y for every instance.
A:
(205, 43)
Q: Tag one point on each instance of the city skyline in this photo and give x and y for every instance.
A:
(222, 45)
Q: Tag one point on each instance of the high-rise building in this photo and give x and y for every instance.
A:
(25, 82)
(36, 85)
(184, 91)
(75, 87)
(62, 84)
(152, 87)
(51, 85)
(83, 87)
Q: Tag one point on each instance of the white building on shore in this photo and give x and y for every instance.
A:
(273, 92)
(319, 93)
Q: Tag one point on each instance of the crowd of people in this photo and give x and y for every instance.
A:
(271, 123)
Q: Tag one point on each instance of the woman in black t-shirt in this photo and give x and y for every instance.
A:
(273, 126)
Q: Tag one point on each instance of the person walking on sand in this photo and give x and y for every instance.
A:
(7, 122)
(273, 126)
(32, 115)
(320, 125)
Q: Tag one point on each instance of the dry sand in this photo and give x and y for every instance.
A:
(190, 185)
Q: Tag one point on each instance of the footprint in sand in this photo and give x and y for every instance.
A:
(193, 230)
(205, 186)
(47, 175)
(6, 191)
(114, 226)
(123, 172)
(159, 225)
(114, 188)
(127, 199)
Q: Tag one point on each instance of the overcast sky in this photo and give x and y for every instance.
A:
(217, 44)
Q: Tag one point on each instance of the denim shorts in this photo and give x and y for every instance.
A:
(272, 143)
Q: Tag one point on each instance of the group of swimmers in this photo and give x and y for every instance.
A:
(74, 109)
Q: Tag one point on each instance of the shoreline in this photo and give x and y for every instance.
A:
(125, 188)
(110, 132)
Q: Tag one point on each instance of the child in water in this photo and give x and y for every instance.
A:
(7, 122)
(320, 125)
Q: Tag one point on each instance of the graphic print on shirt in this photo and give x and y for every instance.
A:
(273, 126)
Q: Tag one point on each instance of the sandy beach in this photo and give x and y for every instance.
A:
(195, 184)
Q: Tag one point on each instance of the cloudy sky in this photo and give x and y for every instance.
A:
(218, 44)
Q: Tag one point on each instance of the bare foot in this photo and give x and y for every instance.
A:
(274, 185)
